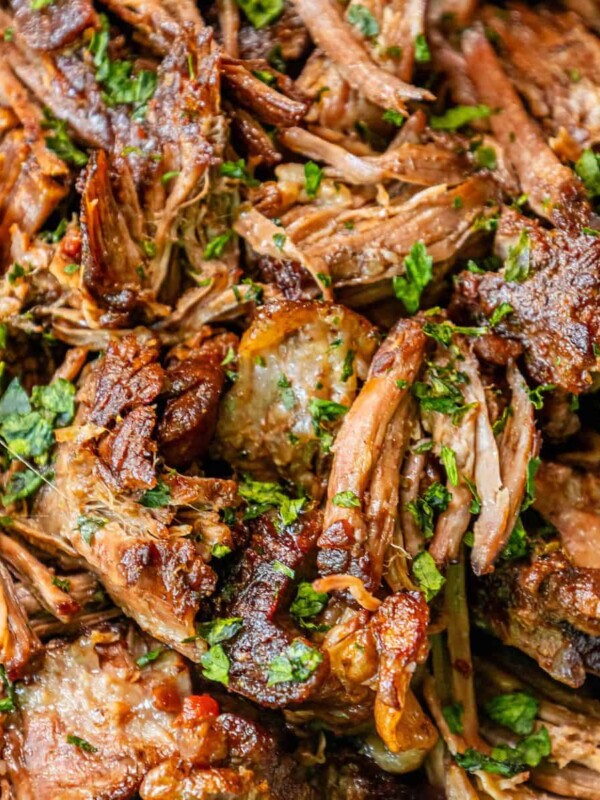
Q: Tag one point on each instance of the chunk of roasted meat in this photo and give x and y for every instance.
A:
(152, 735)
(551, 284)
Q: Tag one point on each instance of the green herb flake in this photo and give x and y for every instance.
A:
(393, 117)
(261, 13)
(588, 169)
(498, 314)
(537, 395)
(215, 665)
(262, 496)
(283, 569)
(71, 269)
(61, 583)
(427, 576)
(296, 664)
(361, 18)
(220, 550)
(453, 715)
(532, 468)
(157, 497)
(485, 157)
(313, 175)
(448, 457)
(219, 630)
(77, 741)
(518, 543)
(458, 117)
(21, 485)
(307, 603)
(346, 499)
(418, 273)
(88, 526)
(516, 711)
(9, 702)
(215, 247)
(434, 500)
(238, 170)
(8, 34)
(422, 52)
(517, 261)
(348, 366)
(508, 761)
(149, 657)
(60, 142)
(279, 240)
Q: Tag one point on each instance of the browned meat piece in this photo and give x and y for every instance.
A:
(588, 9)
(194, 380)
(59, 710)
(18, 643)
(110, 258)
(375, 249)
(553, 189)
(259, 587)
(269, 105)
(554, 61)
(334, 36)
(157, 23)
(421, 164)
(58, 25)
(129, 376)
(127, 454)
(570, 500)
(555, 312)
(256, 141)
(547, 608)
(351, 542)
(280, 416)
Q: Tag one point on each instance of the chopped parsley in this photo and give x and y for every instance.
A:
(498, 314)
(475, 504)
(238, 169)
(88, 525)
(279, 240)
(418, 273)
(448, 457)
(313, 175)
(434, 500)
(393, 117)
(457, 117)
(516, 711)
(219, 630)
(263, 496)
(60, 142)
(518, 544)
(348, 366)
(261, 13)
(9, 702)
(443, 332)
(346, 499)
(215, 247)
(453, 715)
(61, 583)
(422, 52)
(506, 760)
(485, 157)
(158, 497)
(77, 741)
(288, 398)
(427, 576)
(215, 665)
(532, 468)
(308, 603)
(361, 18)
(517, 261)
(537, 395)
(296, 664)
(323, 411)
(439, 391)
(283, 569)
(219, 550)
(588, 169)
(149, 657)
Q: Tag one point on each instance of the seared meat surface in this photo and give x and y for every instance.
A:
(299, 445)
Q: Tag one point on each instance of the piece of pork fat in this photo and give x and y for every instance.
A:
(334, 36)
(139, 551)
(421, 164)
(350, 542)
(553, 189)
(570, 500)
(274, 422)
(554, 308)
(541, 47)
(375, 249)
(18, 643)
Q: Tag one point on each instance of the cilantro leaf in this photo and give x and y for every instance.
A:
(506, 760)
(427, 576)
(215, 665)
(149, 657)
(313, 175)
(518, 544)
(220, 629)
(361, 18)
(457, 117)
(238, 169)
(215, 247)
(588, 169)
(517, 260)
(433, 501)
(261, 12)
(158, 497)
(516, 711)
(261, 496)
(346, 500)
(419, 272)
(502, 310)
(422, 52)
(296, 664)
(60, 142)
(448, 457)
(77, 741)
(453, 715)
(88, 526)
(532, 468)
(307, 603)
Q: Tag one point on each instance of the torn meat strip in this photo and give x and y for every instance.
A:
(554, 307)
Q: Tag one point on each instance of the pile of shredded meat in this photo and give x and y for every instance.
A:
(299, 416)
